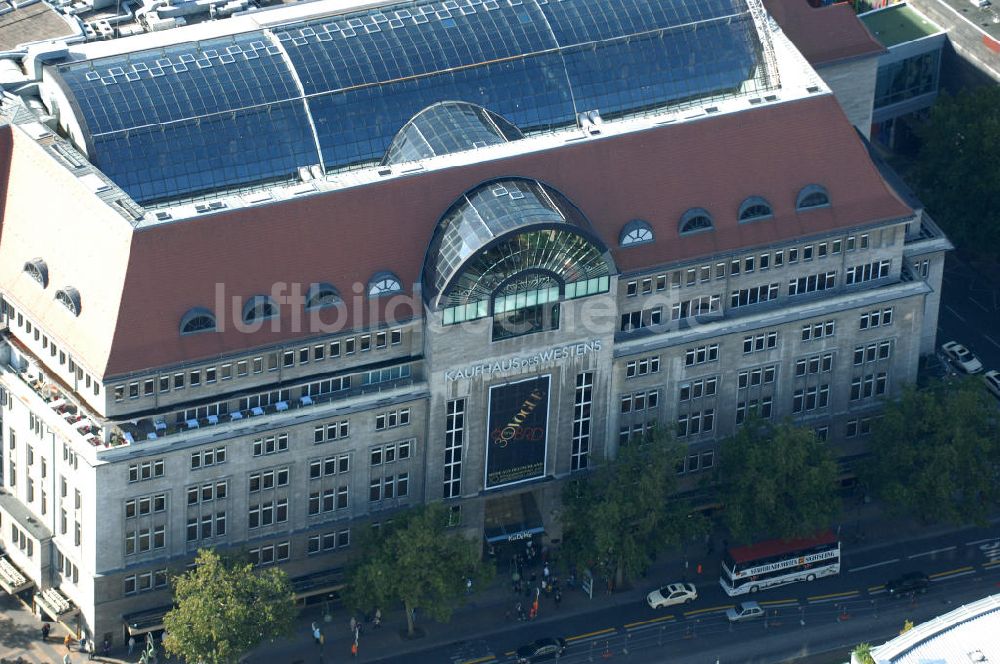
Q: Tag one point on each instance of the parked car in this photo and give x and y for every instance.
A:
(913, 582)
(744, 611)
(962, 357)
(992, 380)
(670, 594)
(541, 650)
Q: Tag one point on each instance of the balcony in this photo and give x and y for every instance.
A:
(160, 427)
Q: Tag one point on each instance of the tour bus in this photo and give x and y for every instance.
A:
(747, 569)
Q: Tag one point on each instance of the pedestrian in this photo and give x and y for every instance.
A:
(67, 641)
(106, 646)
(83, 643)
(66, 659)
(317, 635)
(545, 572)
(468, 585)
(354, 649)
(558, 599)
(91, 649)
(378, 618)
(354, 625)
(46, 628)
(131, 644)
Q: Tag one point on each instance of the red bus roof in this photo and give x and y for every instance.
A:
(776, 547)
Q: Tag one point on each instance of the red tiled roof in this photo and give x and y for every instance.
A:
(346, 236)
(824, 35)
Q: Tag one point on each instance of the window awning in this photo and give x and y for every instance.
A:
(11, 578)
(512, 518)
(141, 622)
(55, 604)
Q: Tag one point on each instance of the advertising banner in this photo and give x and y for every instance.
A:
(517, 431)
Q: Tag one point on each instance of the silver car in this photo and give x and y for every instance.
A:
(744, 611)
(962, 357)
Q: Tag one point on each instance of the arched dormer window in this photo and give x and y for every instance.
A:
(384, 283)
(198, 319)
(321, 295)
(695, 220)
(755, 208)
(38, 271)
(259, 307)
(634, 233)
(812, 196)
(69, 297)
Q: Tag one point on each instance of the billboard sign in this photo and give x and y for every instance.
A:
(517, 431)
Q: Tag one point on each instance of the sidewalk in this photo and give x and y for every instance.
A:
(863, 527)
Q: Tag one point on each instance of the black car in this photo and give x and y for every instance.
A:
(540, 650)
(914, 582)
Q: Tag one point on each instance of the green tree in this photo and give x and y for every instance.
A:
(776, 480)
(959, 166)
(417, 561)
(224, 608)
(862, 654)
(936, 453)
(616, 519)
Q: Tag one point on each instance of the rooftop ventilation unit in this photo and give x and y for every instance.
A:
(305, 174)
(590, 122)
(209, 207)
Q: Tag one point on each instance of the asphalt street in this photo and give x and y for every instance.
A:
(970, 309)
(803, 619)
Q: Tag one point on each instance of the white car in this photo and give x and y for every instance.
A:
(744, 611)
(674, 593)
(992, 380)
(962, 357)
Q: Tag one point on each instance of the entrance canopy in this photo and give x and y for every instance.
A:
(512, 518)
(150, 620)
(11, 578)
(55, 605)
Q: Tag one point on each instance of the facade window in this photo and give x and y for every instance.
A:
(754, 208)
(270, 445)
(259, 307)
(197, 320)
(391, 419)
(820, 330)
(701, 355)
(875, 318)
(812, 283)
(868, 272)
(320, 296)
(811, 398)
(641, 367)
(337, 464)
(453, 444)
(695, 220)
(753, 295)
(634, 233)
(336, 430)
(69, 297)
(146, 470)
(640, 401)
(814, 364)
(812, 196)
(758, 376)
(873, 352)
(753, 407)
(690, 424)
(868, 385)
(698, 306)
(384, 283)
(760, 342)
(582, 402)
(696, 389)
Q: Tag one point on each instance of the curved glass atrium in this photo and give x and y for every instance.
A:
(509, 244)
(241, 110)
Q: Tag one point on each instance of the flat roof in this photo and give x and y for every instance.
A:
(25, 22)
(898, 24)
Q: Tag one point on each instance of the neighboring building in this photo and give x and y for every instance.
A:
(967, 634)
(267, 280)
(909, 73)
(839, 47)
